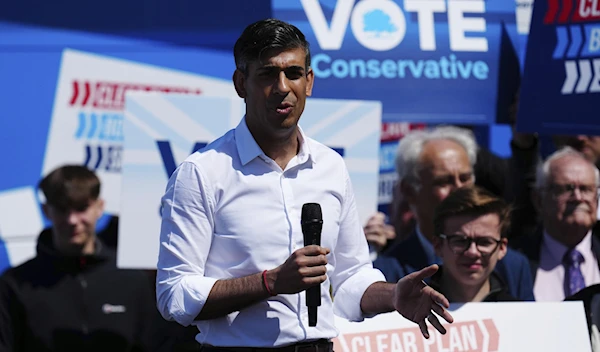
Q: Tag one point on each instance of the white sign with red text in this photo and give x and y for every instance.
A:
(87, 119)
(477, 327)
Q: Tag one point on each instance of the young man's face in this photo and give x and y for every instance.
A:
(275, 90)
(472, 248)
(74, 229)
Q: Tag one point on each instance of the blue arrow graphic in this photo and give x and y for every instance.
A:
(94, 121)
(562, 39)
(81, 126)
(575, 42)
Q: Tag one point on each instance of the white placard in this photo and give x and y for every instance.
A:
(477, 327)
(87, 119)
(176, 123)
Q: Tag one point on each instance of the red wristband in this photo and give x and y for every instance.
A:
(264, 276)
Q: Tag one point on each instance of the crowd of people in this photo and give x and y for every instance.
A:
(233, 268)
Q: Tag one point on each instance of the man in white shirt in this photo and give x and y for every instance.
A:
(564, 254)
(232, 258)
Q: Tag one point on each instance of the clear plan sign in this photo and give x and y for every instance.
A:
(478, 327)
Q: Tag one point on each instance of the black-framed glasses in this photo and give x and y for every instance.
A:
(460, 243)
(567, 190)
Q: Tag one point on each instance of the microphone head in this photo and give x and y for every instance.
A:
(311, 212)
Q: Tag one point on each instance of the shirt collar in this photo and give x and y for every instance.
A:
(557, 250)
(248, 149)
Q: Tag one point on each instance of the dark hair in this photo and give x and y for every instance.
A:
(264, 36)
(471, 200)
(70, 187)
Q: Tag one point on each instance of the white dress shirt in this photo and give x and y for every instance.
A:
(230, 211)
(549, 283)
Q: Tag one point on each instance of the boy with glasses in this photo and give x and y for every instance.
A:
(470, 228)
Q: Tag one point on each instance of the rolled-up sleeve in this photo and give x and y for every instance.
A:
(354, 272)
(185, 238)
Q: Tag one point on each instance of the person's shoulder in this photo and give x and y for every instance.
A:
(210, 160)
(515, 255)
(26, 272)
(322, 152)
(221, 147)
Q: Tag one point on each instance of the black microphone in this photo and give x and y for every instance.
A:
(312, 224)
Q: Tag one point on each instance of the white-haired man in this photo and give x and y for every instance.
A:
(564, 253)
(430, 165)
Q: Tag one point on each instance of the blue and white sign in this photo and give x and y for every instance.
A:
(560, 91)
(162, 130)
(434, 61)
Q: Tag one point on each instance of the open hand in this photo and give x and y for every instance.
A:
(416, 301)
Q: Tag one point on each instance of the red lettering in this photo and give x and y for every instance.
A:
(472, 336)
(111, 95)
(587, 10)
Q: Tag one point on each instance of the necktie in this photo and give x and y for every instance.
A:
(574, 281)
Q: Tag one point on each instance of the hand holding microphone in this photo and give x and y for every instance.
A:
(306, 268)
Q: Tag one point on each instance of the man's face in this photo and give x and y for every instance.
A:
(570, 199)
(275, 90)
(444, 166)
(472, 248)
(588, 145)
(74, 228)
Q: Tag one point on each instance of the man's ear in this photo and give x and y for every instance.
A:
(239, 82)
(310, 80)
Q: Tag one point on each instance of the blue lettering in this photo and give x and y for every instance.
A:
(104, 127)
(416, 70)
(111, 128)
(358, 68)
(340, 68)
(464, 70)
(107, 158)
(373, 67)
(388, 67)
(444, 68)
(317, 59)
(166, 153)
(432, 69)
(480, 70)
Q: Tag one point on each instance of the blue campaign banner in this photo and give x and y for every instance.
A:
(435, 61)
(65, 106)
(560, 91)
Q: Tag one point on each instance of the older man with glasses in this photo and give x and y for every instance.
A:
(564, 253)
(470, 236)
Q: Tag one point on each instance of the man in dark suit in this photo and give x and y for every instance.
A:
(430, 165)
(563, 253)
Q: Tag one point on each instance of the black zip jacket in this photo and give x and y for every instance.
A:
(59, 303)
